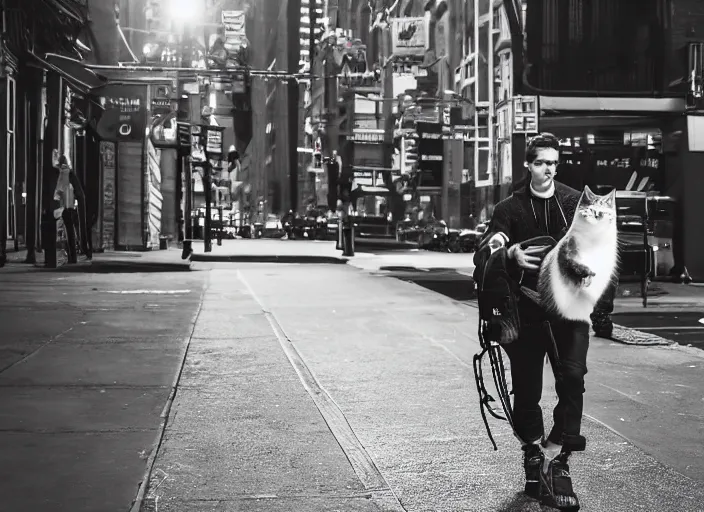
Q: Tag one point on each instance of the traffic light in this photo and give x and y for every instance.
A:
(409, 154)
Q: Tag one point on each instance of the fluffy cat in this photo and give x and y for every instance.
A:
(577, 271)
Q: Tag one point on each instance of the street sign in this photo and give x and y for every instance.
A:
(367, 136)
(161, 105)
(525, 114)
(213, 139)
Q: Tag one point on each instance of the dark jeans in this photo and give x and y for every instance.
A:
(70, 218)
(569, 365)
(601, 317)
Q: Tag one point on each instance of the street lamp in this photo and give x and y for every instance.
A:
(186, 10)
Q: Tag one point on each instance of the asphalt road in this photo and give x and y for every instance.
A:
(683, 326)
(87, 362)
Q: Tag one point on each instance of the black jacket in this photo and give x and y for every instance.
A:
(514, 217)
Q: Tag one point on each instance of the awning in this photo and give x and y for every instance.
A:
(577, 123)
(73, 71)
(612, 104)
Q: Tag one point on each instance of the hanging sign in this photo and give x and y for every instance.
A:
(409, 36)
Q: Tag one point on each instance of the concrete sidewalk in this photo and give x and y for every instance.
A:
(298, 395)
(267, 250)
(245, 431)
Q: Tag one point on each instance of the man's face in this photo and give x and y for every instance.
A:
(544, 168)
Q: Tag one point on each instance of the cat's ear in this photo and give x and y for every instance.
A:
(588, 197)
(588, 194)
(610, 199)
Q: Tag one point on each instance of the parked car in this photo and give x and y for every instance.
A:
(272, 228)
(470, 238)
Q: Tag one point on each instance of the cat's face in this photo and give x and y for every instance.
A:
(597, 210)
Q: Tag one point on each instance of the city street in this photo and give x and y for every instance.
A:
(305, 387)
(209, 348)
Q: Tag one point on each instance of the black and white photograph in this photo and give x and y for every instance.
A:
(352, 256)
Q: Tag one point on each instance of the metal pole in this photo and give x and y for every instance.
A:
(185, 172)
(221, 224)
(207, 241)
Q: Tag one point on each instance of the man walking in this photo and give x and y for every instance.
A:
(541, 206)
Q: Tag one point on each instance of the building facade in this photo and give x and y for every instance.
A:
(609, 81)
(48, 109)
(276, 47)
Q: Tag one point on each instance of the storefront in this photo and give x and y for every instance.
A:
(625, 154)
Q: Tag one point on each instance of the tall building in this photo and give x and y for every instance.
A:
(275, 122)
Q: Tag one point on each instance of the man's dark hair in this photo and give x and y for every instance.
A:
(543, 140)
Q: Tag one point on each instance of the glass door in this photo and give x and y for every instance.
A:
(10, 162)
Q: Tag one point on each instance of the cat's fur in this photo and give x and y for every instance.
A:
(577, 271)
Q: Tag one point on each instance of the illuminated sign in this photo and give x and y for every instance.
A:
(367, 136)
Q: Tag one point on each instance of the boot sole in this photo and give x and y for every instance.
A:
(532, 490)
(548, 501)
(547, 498)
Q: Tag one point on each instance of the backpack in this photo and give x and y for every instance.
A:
(497, 297)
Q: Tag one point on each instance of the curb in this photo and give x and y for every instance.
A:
(629, 336)
(101, 267)
(254, 258)
(141, 500)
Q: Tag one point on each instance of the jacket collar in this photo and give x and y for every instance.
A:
(523, 191)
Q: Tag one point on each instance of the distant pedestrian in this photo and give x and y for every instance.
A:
(69, 201)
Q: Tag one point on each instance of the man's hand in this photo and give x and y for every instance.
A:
(529, 258)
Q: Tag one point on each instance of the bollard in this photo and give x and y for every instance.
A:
(187, 249)
(348, 240)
